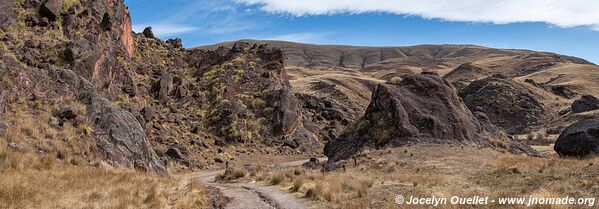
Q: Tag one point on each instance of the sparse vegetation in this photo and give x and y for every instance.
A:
(395, 80)
(30, 181)
(66, 4)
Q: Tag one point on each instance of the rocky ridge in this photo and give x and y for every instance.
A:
(418, 109)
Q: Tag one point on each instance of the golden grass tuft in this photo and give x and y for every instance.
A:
(395, 80)
(277, 178)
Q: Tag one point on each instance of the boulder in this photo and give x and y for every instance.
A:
(175, 154)
(148, 32)
(564, 91)
(585, 103)
(66, 112)
(8, 17)
(70, 23)
(314, 163)
(176, 42)
(166, 87)
(54, 122)
(421, 109)
(119, 136)
(579, 140)
(510, 105)
(51, 9)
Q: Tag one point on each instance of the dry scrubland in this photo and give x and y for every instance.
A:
(28, 181)
(439, 170)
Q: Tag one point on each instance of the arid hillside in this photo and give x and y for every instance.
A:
(544, 84)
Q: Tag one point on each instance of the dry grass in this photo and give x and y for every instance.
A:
(32, 132)
(231, 175)
(395, 80)
(441, 171)
(277, 178)
(315, 185)
(445, 171)
(28, 181)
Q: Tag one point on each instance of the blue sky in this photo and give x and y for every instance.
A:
(570, 29)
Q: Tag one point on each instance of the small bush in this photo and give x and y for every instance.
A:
(66, 4)
(395, 80)
(315, 191)
(277, 178)
(258, 103)
(297, 184)
(84, 129)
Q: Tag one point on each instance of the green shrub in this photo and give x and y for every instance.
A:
(66, 4)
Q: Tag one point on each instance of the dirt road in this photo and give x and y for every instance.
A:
(255, 195)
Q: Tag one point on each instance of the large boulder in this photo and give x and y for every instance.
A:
(8, 16)
(118, 134)
(579, 140)
(512, 106)
(421, 108)
(585, 103)
(51, 9)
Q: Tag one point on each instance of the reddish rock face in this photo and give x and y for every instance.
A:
(126, 34)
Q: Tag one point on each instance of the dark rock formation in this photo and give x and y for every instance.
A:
(148, 32)
(126, 142)
(585, 103)
(176, 42)
(509, 105)
(175, 154)
(422, 108)
(564, 91)
(579, 140)
(51, 9)
(8, 17)
(250, 98)
(121, 138)
(66, 112)
(314, 163)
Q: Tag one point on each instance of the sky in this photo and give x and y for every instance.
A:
(565, 27)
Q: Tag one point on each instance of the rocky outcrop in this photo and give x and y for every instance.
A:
(119, 135)
(464, 74)
(249, 97)
(148, 32)
(509, 105)
(421, 108)
(51, 9)
(585, 103)
(579, 140)
(8, 17)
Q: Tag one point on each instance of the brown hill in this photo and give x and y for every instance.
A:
(423, 57)
(556, 80)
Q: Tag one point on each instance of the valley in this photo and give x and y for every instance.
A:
(95, 115)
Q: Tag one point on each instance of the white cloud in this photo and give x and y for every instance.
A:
(300, 37)
(562, 13)
(165, 29)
